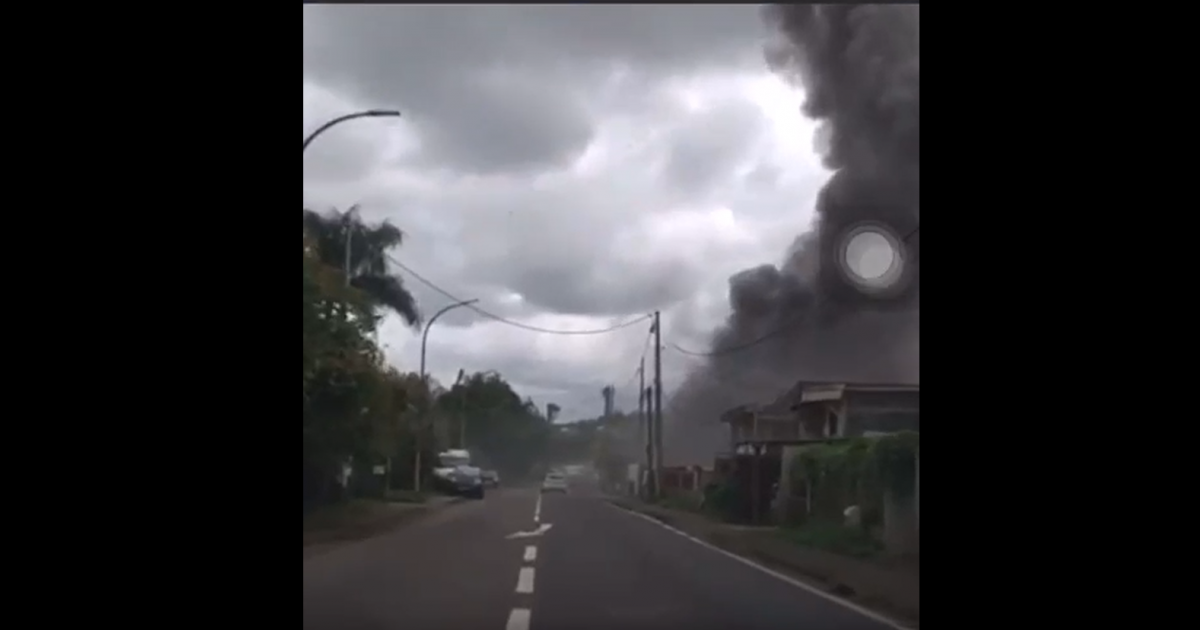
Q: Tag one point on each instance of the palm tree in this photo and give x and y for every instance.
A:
(368, 257)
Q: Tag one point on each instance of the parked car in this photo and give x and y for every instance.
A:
(465, 481)
(555, 482)
(491, 479)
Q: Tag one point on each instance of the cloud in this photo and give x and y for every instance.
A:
(572, 167)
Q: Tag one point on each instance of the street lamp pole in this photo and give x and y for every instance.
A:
(370, 113)
(428, 325)
(425, 384)
(462, 411)
(349, 221)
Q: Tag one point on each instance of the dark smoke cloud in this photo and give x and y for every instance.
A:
(860, 68)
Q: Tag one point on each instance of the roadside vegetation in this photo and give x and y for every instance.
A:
(362, 415)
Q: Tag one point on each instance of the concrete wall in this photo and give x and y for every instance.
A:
(902, 519)
(900, 533)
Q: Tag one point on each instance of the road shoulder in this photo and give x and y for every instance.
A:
(890, 592)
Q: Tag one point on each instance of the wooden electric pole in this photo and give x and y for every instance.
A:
(643, 427)
(658, 419)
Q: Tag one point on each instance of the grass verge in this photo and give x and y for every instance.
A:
(834, 539)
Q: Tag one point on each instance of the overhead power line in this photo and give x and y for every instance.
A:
(645, 347)
(637, 369)
(743, 346)
(632, 378)
(425, 281)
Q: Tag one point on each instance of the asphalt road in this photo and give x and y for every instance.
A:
(596, 567)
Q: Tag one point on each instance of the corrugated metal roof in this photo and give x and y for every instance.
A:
(812, 391)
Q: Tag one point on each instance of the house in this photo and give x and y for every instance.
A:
(838, 410)
(758, 437)
(811, 412)
(844, 410)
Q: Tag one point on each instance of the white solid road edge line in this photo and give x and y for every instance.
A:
(771, 572)
(525, 580)
(530, 553)
(537, 509)
(518, 619)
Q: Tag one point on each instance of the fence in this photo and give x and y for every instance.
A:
(677, 479)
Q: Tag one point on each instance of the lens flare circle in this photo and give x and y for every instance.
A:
(871, 258)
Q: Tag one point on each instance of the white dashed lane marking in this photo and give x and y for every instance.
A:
(518, 619)
(525, 580)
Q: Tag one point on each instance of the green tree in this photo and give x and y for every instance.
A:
(359, 411)
(369, 245)
(341, 374)
(356, 409)
(501, 429)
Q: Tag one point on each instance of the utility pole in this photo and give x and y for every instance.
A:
(643, 401)
(462, 426)
(658, 419)
(647, 393)
(462, 410)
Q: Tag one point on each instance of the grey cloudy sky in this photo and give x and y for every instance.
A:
(569, 166)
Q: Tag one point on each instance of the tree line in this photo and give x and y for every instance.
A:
(360, 414)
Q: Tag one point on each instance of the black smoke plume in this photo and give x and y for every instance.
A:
(860, 68)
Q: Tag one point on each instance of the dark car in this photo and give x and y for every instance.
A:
(491, 478)
(466, 481)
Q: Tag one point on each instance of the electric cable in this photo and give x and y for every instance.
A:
(743, 346)
(510, 322)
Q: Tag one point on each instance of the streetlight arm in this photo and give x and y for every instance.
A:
(429, 324)
(371, 113)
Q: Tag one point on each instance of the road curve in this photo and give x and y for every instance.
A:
(596, 567)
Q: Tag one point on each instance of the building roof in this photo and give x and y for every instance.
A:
(739, 412)
(810, 391)
(815, 391)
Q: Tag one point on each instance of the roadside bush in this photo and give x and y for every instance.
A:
(855, 472)
(723, 500)
(681, 501)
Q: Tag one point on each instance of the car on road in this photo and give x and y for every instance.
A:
(466, 481)
(491, 479)
(555, 482)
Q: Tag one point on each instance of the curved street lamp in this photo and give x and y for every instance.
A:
(429, 324)
(425, 384)
(370, 113)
